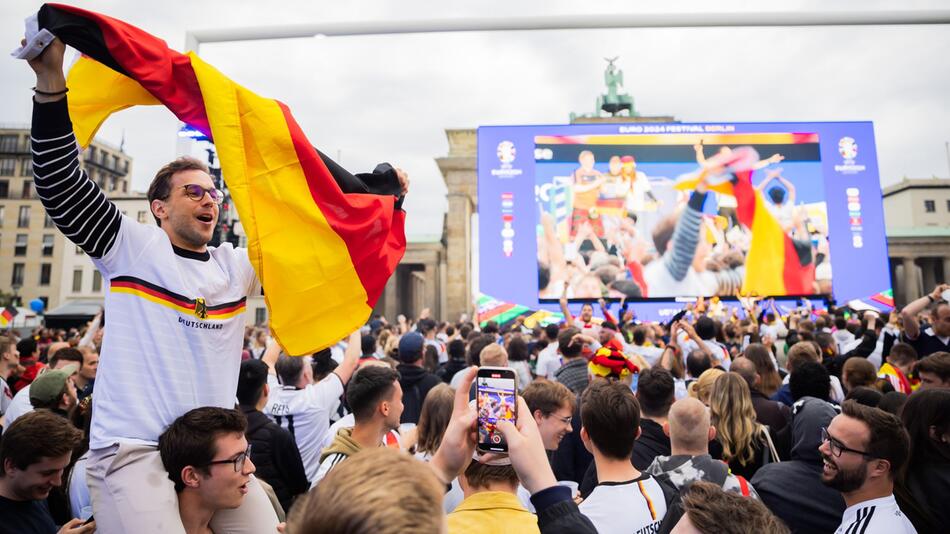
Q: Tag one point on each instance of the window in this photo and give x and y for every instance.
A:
(7, 166)
(3, 212)
(46, 270)
(77, 280)
(4, 188)
(23, 218)
(8, 143)
(48, 244)
(260, 316)
(948, 205)
(140, 216)
(930, 206)
(27, 168)
(27, 189)
(96, 281)
(20, 249)
(17, 279)
(125, 186)
(47, 221)
(115, 163)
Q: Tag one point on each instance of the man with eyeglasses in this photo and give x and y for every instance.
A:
(208, 459)
(176, 312)
(863, 449)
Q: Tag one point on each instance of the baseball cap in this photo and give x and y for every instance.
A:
(410, 347)
(49, 385)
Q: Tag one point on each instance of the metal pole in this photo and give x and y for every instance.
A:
(194, 38)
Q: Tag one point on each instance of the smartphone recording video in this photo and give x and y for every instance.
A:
(496, 401)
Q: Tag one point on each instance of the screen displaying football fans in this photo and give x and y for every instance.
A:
(658, 212)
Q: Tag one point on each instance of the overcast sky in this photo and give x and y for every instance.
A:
(390, 98)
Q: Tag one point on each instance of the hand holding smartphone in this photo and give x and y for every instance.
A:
(495, 398)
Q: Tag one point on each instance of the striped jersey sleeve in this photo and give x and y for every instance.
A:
(75, 203)
(685, 238)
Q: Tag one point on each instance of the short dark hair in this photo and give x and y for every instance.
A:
(368, 344)
(705, 327)
(288, 369)
(251, 381)
(902, 354)
(610, 414)
(481, 475)
(888, 438)
(477, 345)
(656, 391)
(456, 350)
(548, 397)
(68, 354)
(322, 364)
(36, 435)
(161, 186)
(491, 327)
(866, 396)
(810, 379)
(564, 342)
(551, 331)
(639, 335)
(698, 362)
(26, 347)
(937, 363)
(189, 440)
(711, 509)
(840, 322)
(517, 349)
(368, 387)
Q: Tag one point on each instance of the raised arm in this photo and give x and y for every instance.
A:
(75, 204)
(568, 318)
(686, 235)
(351, 358)
(909, 313)
(791, 189)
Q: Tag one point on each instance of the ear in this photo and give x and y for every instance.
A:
(666, 428)
(384, 408)
(638, 434)
(585, 439)
(880, 468)
(190, 477)
(8, 466)
(158, 208)
(538, 416)
(712, 433)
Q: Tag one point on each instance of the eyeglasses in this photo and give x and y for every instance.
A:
(238, 461)
(196, 192)
(837, 448)
(565, 420)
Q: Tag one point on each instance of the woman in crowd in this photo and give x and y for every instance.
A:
(433, 420)
(923, 493)
(746, 445)
(702, 388)
(769, 379)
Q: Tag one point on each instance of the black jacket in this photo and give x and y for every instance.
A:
(571, 459)
(449, 368)
(275, 454)
(771, 413)
(793, 490)
(416, 383)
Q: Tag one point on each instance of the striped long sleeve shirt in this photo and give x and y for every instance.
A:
(75, 203)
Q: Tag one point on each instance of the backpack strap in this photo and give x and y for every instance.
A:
(743, 485)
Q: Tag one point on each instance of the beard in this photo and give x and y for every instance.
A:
(843, 480)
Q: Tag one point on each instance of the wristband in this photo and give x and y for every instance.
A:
(931, 299)
(47, 93)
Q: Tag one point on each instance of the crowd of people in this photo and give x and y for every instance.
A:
(721, 420)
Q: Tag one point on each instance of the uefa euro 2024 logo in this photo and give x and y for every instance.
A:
(506, 152)
(848, 149)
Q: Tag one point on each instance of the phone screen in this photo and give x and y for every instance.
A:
(495, 397)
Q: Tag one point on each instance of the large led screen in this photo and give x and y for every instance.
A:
(659, 212)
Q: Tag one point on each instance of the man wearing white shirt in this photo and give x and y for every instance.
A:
(301, 406)
(863, 450)
(549, 360)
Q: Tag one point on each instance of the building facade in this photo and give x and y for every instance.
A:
(917, 219)
(36, 260)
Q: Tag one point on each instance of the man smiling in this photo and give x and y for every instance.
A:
(208, 459)
(863, 449)
(34, 452)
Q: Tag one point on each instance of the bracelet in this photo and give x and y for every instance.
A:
(931, 299)
(47, 93)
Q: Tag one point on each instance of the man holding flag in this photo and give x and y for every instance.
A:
(175, 304)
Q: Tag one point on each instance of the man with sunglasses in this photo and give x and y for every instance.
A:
(208, 459)
(175, 305)
(863, 450)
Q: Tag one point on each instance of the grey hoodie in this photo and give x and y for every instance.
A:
(793, 490)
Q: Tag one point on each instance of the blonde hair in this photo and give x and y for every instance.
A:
(730, 407)
(377, 490)
(494, 355)
(701, 388)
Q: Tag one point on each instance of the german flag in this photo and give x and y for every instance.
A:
(323, 241)
(7, 315)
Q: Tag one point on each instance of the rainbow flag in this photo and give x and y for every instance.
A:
(505, 313)
(322, 241)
